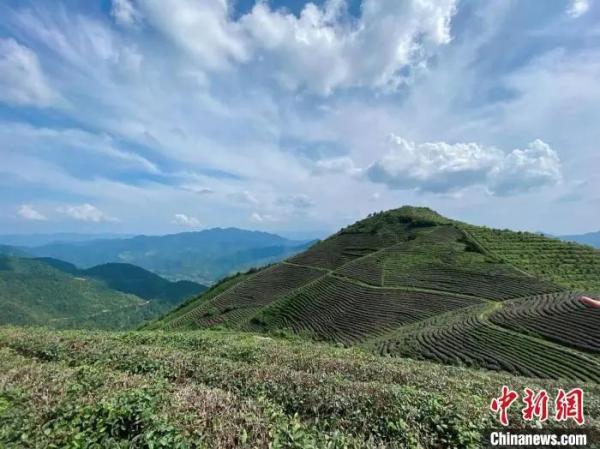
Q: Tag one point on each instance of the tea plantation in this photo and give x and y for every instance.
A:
(217, 389)
(409, 282)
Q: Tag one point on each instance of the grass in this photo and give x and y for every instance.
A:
(221, 389)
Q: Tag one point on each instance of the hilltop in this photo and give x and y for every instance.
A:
(410, 282)
(54, 293)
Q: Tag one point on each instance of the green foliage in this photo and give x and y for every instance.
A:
(568, 264)
(57, 294)
(228, 390)
(34, 293)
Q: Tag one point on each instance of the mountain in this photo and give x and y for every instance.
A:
(203, 256)
(28, 240)
(35, 293)
(7, 250)
(591, 238)
(132, 279)
(128, 278)
(54, 293)
(410, 282)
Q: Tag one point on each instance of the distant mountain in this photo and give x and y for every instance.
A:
(132, 279)
(128, 278)
(411, 283)
(6, 250)
(35, 293)
(54, 293)
(203, 256)
(591, 238)
(45, 239)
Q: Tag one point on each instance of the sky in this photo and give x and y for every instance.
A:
(159, 116)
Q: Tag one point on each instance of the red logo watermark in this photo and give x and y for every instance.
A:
(567, 405)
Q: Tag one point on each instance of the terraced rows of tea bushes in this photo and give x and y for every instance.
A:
(381, 281)
(367, 269)
(469, 340)
(442, 258)
(560, 317)
(455, 279)
(342, 311)
(445, 259)
(342, 248)
(247, 297)
(569, 264)
(226, 390)
(179, 317)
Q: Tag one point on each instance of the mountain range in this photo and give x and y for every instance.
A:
(591, 238)
(203, 256)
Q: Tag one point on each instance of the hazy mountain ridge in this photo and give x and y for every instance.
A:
(203, 256)
(590, 238)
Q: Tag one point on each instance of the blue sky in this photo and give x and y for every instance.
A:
(154, 116)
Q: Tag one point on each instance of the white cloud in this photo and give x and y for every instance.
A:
(22, 81)
(69, 144)
(433, 167)
(27, 212)
(522, 170)
(578, 8)
(337, 165)
(323, 49)
(124, 12)
(202, 28)
(320, 50)
(85, 212)
(186, 220)
(441, 167)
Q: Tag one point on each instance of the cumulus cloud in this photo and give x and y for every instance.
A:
(28, 212)
(124, 12)
(22, 81)
(321, 49)
(434, 167)
(85, 212)
(441, 167)
(536, 166)
(578, 8)
(186, 220)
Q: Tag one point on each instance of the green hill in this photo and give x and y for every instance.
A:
(54, 293)
(132, 279)
(409, 282)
